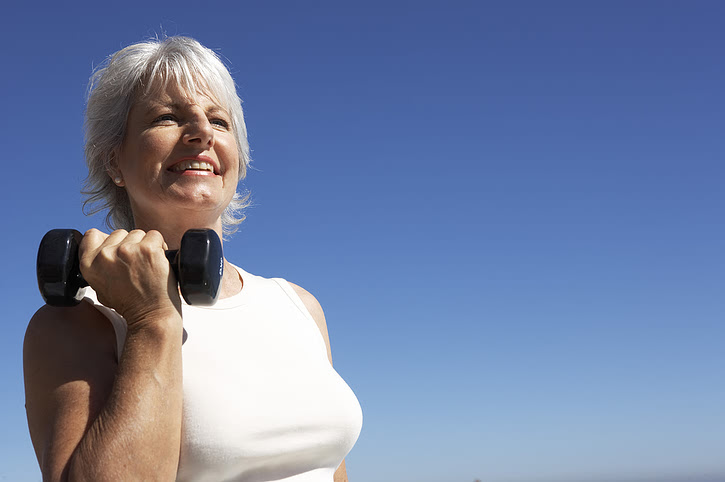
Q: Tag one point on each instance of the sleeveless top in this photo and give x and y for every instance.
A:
(261, 401)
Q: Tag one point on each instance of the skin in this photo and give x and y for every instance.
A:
(91, 417)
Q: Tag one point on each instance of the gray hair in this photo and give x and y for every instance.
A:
(142, 69)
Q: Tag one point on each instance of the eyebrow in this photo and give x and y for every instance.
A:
(212, 109)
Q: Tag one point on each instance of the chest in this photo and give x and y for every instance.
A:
(260, 397)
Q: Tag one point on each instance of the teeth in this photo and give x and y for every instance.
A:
(196, 165)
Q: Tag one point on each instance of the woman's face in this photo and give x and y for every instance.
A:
(178, 158)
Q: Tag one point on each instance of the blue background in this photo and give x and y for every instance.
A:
(511, 212)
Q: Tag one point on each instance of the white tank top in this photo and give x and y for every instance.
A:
(261, 401)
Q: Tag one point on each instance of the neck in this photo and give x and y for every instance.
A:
(232, 282)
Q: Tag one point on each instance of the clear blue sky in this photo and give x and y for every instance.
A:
(512, 213)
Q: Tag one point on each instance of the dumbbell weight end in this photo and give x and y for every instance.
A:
(59, 276)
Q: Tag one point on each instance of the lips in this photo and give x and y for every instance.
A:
(196, 163)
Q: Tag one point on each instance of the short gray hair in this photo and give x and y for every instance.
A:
(141, 69)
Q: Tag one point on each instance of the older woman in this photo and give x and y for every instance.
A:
(133, 384)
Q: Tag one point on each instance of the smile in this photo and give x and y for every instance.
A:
(192, 165)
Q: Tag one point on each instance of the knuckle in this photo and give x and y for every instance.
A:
(147, 248)
(125, 250)
(106, 253)
(154, 239)
(154, 235)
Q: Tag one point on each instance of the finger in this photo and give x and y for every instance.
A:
(108, 246)
(91, 243)
(89, 248)
(133, 237)
(155, 238)
(127, 248)
(115, 238)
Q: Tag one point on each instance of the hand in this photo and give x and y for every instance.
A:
(130, 273)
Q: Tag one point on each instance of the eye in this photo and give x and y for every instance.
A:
(165, 118)
(220, 122)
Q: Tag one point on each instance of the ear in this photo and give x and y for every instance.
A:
(113, 171)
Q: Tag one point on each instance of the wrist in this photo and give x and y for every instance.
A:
(159, 320)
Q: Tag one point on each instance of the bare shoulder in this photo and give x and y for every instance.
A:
(60, 329)
(69, 362)
(313, 306)
(311, 303)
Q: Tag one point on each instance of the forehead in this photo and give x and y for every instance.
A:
(172, 93)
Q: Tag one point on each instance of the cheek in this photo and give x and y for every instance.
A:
(233, 163)
(146, 156)
(151, 147)
(226, 145)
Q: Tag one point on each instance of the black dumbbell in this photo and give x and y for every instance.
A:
(198, 265)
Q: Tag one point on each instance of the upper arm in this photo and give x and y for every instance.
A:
(69, 363)
(313, 306)
(341, 473)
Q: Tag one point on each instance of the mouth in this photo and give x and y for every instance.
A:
(199, 164)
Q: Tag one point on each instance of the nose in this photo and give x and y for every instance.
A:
(199, 132)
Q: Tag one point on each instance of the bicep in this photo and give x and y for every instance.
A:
(69, 365)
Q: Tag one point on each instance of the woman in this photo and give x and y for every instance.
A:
(133, 384)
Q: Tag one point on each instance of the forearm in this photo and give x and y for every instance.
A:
(136, 435)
